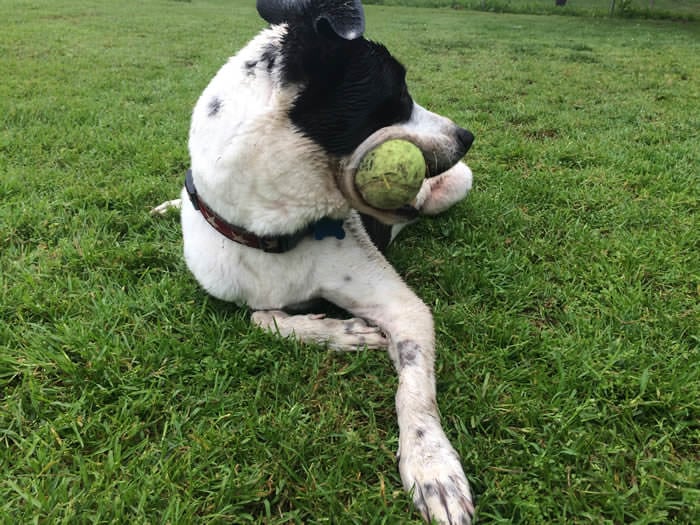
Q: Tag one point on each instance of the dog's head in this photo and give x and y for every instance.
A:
(301, 101)
(354, 94)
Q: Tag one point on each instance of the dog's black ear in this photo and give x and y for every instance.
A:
(345, 18)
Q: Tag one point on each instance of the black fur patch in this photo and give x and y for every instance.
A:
(269, 57)
(408, 352)
(429, 490)
(351, 88)
(214, 106)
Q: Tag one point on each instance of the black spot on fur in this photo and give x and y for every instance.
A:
(269, 56)
(250, 67)
(420, 433)
(429, 489)
(408, 358)
(350, 88)
(408, 352)
(347, 278)
(214, 106)
(442, 492)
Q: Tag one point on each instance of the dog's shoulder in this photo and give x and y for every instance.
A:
(246, 82)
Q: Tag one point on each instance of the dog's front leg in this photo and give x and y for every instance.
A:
(360, 280)
(428, 464)
(439, 193)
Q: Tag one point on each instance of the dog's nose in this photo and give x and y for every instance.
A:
(466, 138)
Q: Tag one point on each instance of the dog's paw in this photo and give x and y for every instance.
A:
(439, 193)
(430, 467)
(167, 206)
(338, 334)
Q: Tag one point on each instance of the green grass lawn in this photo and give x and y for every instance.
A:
(662, 9)
(565, 289)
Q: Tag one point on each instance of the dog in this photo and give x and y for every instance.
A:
(271, 219)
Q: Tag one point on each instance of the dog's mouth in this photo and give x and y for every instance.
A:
(435, 163)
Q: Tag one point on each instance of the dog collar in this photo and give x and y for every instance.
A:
(325, 227)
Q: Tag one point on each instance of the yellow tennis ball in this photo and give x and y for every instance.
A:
(390, 175)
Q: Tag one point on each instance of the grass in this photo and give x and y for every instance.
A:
(565, 289)
(659, 9)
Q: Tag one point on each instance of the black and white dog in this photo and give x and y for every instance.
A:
(271, 219)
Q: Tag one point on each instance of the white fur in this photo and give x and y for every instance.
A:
(252, 167)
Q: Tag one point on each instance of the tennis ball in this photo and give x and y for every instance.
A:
(391, 174)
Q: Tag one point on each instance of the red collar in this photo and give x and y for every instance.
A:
(325, 227)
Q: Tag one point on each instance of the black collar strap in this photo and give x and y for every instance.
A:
(325, 227)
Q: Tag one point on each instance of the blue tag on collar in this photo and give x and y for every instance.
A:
(328, 228)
